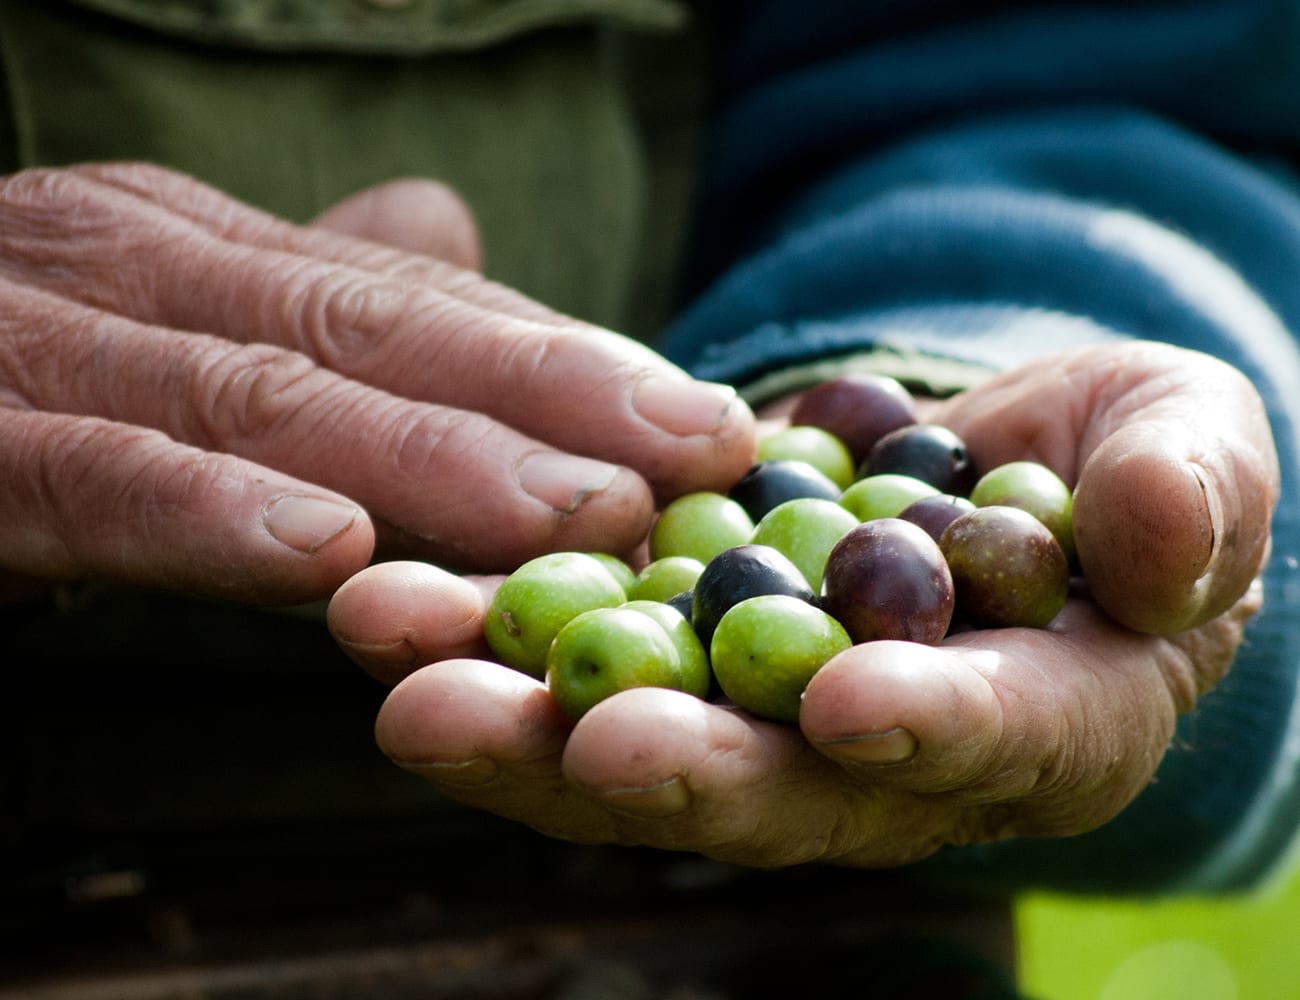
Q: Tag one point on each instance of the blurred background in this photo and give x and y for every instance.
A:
(1241, 948)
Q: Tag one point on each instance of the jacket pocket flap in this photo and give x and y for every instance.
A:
(380, 26)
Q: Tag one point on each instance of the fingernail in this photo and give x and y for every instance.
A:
(1214, 511)
(893, 746)
(655, 802)
(307, 523)
(467, 773)
(562, 481)
(683, 407)
(393, 654)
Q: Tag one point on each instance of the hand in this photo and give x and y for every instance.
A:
(196, 395)
(904, 748)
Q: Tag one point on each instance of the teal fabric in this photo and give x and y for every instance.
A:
(994, 185)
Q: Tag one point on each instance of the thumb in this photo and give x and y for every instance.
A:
(1173, 464)
(1172, 511)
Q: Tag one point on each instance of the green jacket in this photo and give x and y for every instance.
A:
(532, 109)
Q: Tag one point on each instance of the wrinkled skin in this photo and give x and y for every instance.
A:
(903, 748)
(197, 396)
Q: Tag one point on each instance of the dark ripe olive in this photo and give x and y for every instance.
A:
(1007, 568)
(770, 484)
(739, 573)
(682, 603)
(929, 452)
(859, 409)
(936, 513)
(887, 579)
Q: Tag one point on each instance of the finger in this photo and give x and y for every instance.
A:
(1173, 464)
(492, 738)
(663, 769)
(1053, 731)
(216, 213)
(420, 216)
(1171, 526)
(396, 616)
(683, 774)
(457, 486)
(87, 498)
(583, 390)
(646, 767)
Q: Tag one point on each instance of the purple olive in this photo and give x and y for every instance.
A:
(1007, 567)
(887, 579)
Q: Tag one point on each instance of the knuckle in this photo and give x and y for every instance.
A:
(148, 179)
(35, 185)
(469, 504)
(82, 454)
(450, 448)
(46, 188)
(252, 391)
(62, 230)
(849, 828)
(985, 823)
(187, 483)
(343, 317)
(416, 447)
(362, 323)
(41, 202)
(62, 203)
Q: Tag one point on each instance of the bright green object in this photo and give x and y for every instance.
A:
(665, 578)
(538, 599)
(766, 649)
(696, 675)
(607, 650)
(819, 448)
(1216, 948)
(1033, 488)
(699, 526)
(804, 531)
(886, 494)
(618, 569)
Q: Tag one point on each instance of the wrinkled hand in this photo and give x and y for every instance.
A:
(196, 395)
(904, 748)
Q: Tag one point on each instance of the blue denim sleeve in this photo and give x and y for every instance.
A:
(998, 236)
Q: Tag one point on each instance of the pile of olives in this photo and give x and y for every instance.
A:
(857, 523)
